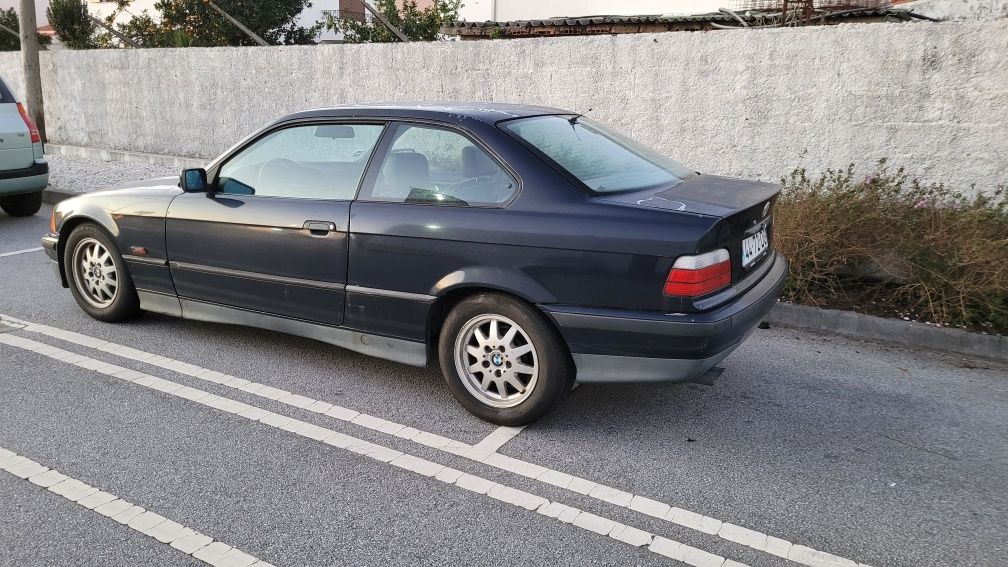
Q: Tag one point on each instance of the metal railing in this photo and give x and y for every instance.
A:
(353, 15)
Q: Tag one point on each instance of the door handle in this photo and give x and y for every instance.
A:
(320, 229)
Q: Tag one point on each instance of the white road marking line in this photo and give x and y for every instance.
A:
(686, 518)
(493, 442)
(146, 522)
(215, 552)
(5, 254)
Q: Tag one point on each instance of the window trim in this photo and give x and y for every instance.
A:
(561, 170)
(214, 168)
(366, 189)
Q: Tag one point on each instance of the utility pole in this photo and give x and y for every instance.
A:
(381, 18)
(30, 64)
(129, 42)
(255, 37)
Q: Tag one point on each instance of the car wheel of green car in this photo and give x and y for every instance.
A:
(21, 205)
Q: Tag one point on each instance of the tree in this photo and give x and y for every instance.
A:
(416, 24)
(72, 23)
(199, 24)
(9, 42)
(143, 29)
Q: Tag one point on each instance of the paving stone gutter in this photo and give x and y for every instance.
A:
(830, 321)
(894, 331)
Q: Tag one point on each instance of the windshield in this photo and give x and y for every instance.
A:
(604, 161)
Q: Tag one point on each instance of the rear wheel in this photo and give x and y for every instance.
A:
(98, 277)
(502, 360)
(21, 205)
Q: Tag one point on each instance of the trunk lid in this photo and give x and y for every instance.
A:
(15, 141)
(745, 207)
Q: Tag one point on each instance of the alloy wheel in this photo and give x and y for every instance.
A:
(496, 360)
(95, 273)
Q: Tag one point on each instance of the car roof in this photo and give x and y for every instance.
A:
(489, 112)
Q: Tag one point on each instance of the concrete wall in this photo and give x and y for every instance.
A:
(931, 97)
(960, 9)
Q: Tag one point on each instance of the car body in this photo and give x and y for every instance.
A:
(440, 206)
(24, 172)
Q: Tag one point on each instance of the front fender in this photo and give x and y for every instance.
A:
(71, 213)
(133, 216)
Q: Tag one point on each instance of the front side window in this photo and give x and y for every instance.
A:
(604, 161)
(433, 165)
(321, 161)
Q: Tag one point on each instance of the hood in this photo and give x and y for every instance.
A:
(156, 183)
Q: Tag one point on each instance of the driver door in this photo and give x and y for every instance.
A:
(272, 236)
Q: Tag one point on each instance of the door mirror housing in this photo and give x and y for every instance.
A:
(194, 180)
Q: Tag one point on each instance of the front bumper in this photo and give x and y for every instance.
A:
(620, 346)
(49, 245)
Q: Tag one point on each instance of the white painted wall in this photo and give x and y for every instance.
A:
(756, 103)
(314, 14)
(508, 10)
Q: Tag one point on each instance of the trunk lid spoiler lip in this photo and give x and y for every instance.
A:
(709, 195)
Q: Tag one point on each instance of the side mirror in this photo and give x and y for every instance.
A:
(193, 180)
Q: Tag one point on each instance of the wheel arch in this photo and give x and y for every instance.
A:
(67, 227)
(445, 301)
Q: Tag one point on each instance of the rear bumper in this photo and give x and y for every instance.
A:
(28, 180)
(620, 346)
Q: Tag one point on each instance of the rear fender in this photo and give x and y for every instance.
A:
(510, 281)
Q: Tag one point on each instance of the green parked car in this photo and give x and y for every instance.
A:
(24, 172)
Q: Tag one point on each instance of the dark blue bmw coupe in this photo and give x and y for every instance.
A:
(522, 247)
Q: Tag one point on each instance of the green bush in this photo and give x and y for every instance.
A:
(72, 24)
(10, 42)
(890, 245)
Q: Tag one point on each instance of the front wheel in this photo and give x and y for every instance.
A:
(98, 277)
(21, 205)
(502, 360)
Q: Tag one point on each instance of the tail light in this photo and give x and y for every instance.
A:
(693, 276)
(35, 138)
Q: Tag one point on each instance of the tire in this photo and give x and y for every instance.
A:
(532, 364)
(24, 205)
(98, 277)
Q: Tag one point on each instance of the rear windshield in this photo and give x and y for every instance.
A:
(601, 159)
(6, 96)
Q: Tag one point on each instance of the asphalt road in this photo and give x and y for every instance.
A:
(871, 454)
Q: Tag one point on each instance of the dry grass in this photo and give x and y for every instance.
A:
(888, 245)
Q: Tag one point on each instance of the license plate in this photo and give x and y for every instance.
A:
(754, 247)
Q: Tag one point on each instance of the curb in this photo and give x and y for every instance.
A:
(122, 155)
(890, 331)
(51, 197)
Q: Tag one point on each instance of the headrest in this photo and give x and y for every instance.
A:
(406, 170)
(475, 163)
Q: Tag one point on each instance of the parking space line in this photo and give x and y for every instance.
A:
(686, 518)
(493, 442)
(519, 498)
(151, 524)
(15, 253)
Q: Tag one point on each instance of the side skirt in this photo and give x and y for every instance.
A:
(397, 350)
(159, 302)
